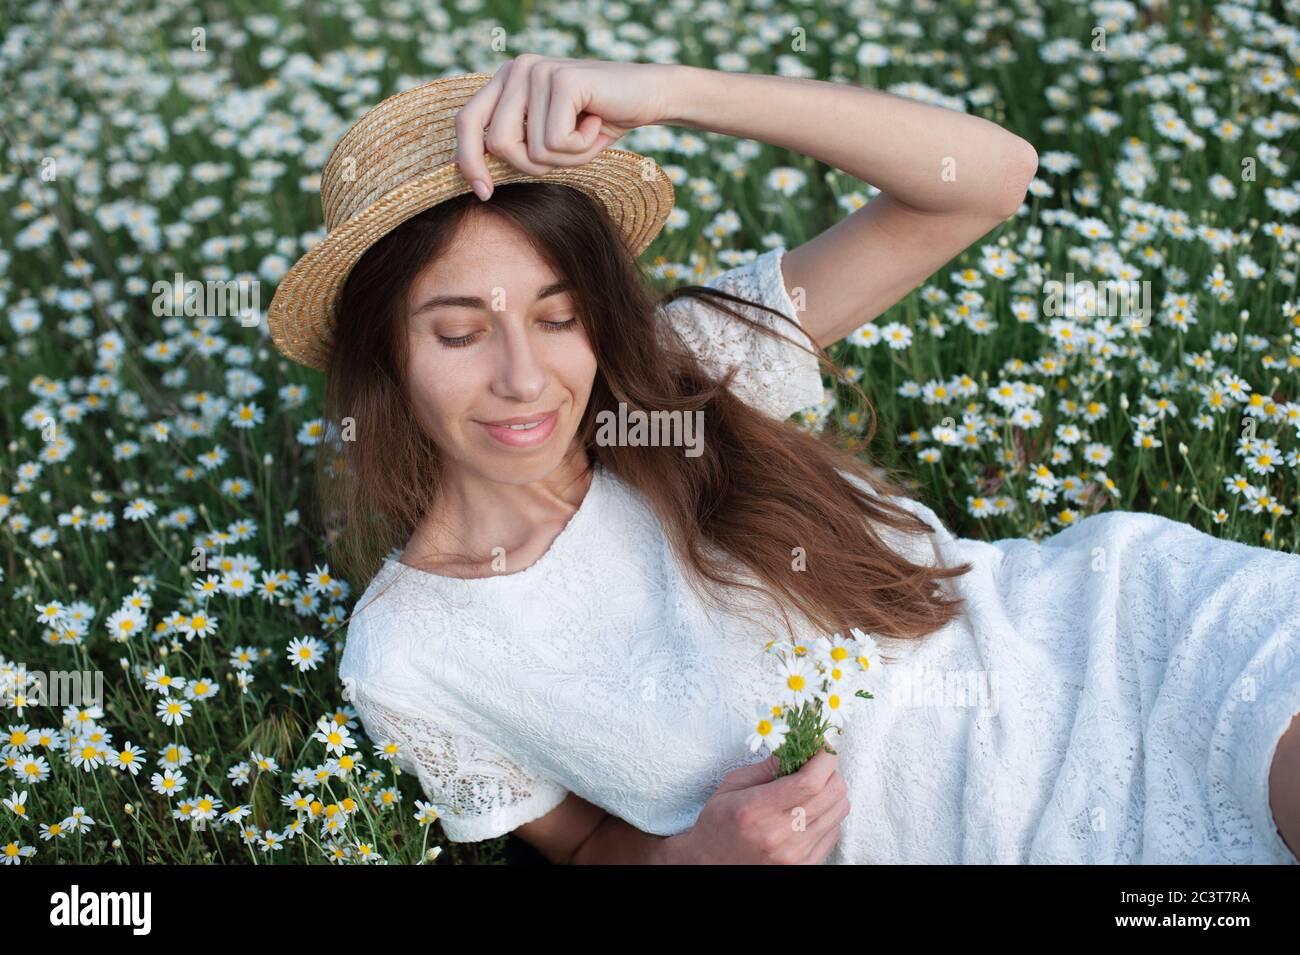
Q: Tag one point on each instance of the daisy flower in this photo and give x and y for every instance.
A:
(337, 739)
(168, 782)
(197, 625)
(78, 821)
(265, 764)
(386, 749)
(770, 729)
(49, 613)
(14, 854)
(125, 623)
(238, 583)
(52, 831)
(243, 658)
(798, 681)
(17, 803)
(867, 656)
(87, 756)
(160, 680)
(129, 758)
(319, 580)
(425, 813)
(139, 509)
(31, 769)
(205, 807)
(247, 415)
(306, 652)
(897, 336)
(202, 688)
(312, 432)
(172, 711)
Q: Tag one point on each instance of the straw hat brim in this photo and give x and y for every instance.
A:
(635, 192)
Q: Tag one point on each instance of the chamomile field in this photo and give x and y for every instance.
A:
(160, 546)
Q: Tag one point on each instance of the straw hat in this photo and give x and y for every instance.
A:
(394, 162)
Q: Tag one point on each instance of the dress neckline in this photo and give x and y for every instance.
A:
(558, 544)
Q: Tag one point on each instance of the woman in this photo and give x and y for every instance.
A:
(570, 644)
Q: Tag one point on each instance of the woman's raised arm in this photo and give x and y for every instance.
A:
(946, 179)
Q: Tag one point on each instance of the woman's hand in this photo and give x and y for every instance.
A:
(752, 819)
(544, 112)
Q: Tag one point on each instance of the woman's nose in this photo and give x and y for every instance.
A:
(520, 372)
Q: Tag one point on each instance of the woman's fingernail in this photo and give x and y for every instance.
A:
(480, 189)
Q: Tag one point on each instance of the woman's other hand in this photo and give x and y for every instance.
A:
(754, 819)
(540, 113)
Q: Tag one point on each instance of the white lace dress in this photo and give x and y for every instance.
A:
(1130, 677)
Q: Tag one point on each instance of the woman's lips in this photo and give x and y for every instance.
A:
(522, 437)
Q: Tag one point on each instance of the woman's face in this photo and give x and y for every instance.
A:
(494, 339)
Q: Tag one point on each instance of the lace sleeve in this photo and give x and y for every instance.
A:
(774, 376)
(479, 793)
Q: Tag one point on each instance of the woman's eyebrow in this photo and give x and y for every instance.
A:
(473, 301)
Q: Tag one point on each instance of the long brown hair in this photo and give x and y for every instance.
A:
(735, 515)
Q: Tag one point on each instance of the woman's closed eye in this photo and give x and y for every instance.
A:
(463, 340)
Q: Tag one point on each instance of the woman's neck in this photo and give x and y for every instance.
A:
(479, 527)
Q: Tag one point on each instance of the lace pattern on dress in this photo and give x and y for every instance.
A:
(775, 377)
(479, 792)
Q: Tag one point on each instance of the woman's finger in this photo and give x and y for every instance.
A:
(566, 133)
(824, 820)
(506, 136)
(471, 120)
(825, 803)
(600, 139)
(590, 140)
(824, 845)
(535, 123)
